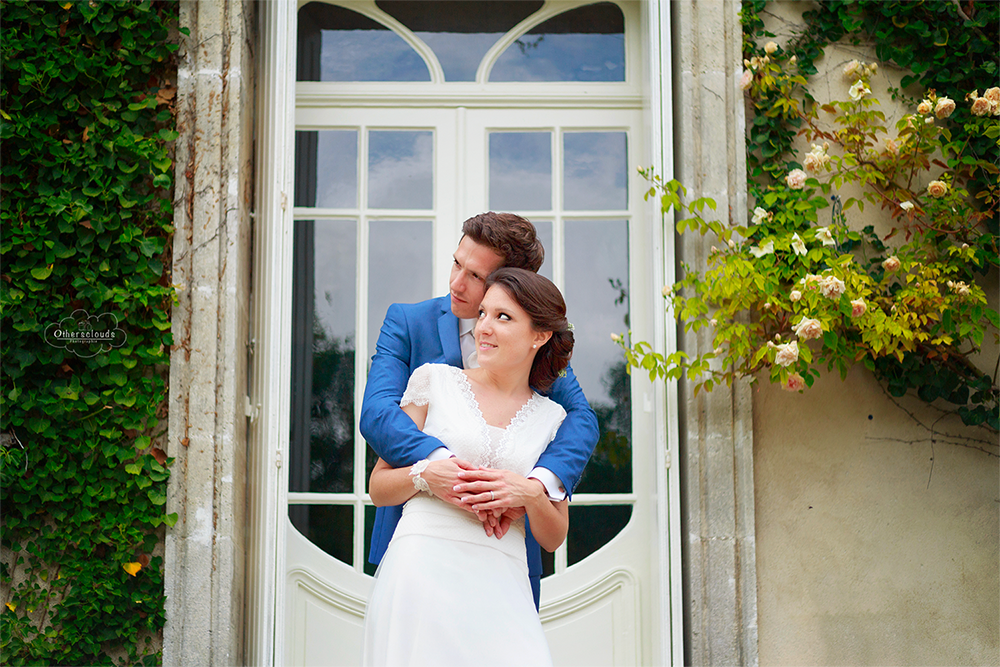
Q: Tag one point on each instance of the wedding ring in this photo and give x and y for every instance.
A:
(492, 496)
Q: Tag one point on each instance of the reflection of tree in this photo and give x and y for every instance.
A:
(610, 468)
(331, 431)
(525, 44)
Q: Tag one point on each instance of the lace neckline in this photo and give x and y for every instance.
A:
(494, 451)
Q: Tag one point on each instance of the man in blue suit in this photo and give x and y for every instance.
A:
(440, 331)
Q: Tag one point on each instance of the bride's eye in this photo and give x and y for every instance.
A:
(503, 316)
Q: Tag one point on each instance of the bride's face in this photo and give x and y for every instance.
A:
(505, 337)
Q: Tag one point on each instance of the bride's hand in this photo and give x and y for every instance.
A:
(492, 489)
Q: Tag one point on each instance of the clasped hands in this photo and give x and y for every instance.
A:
(496, 497)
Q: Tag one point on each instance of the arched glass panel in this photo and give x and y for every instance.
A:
(458, 31)
(337, 44)
(584, 44)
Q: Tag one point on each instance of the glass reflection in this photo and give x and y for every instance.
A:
(337, 44)
(520, 171)
(584, 44)
(326, 168)
(330, 527)
(459, 32)
(590, 528)
(400, 271)
(401, 169)
(594, 171)
(322, 418)
(596, 294)
(543, 229)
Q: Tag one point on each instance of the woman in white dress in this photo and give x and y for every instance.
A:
(446, 593)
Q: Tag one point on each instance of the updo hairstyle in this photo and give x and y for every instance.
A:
(544, 304)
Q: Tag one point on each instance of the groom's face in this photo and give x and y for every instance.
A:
(473, 263)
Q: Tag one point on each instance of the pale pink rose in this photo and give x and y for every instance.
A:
(858, 90)
(831, 287)
(937, 188)
(760, 251)
(944, 107)
(981, 107)
(759, 216)
(891, 147)
(858, 307)
(746, 79)
(770, 48)
(823, 235)
(891, 264)
(794, 382)
(787, 354)
(993, 95)
(796, 179)
(811, 281)
(906, 205)
(812, 164)
(808, 329)
(795, 295)
(852, 70)
(924, 107)
(798, 245)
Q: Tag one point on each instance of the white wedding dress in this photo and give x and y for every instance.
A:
(445, 593)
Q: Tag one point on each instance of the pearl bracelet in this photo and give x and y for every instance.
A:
(419, 483)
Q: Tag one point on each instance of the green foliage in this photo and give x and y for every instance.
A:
(85, 127)
(785, 295)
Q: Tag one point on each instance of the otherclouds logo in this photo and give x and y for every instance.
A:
(85, 335)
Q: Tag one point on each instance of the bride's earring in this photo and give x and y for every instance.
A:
(533, 347)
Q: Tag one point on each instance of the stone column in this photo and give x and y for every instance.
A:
(719, 566)
(204, 554)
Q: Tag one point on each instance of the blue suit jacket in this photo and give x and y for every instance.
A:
(427, 332)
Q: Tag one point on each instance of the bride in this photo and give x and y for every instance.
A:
(446, 593)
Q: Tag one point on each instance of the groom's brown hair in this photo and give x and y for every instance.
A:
(510, 236)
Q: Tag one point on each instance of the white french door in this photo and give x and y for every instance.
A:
(384, 175)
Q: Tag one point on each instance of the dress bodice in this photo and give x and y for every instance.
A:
(454, 417)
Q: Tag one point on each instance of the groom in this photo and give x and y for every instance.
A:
(440, 331)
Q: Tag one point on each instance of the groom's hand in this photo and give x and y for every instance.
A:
(442, 478)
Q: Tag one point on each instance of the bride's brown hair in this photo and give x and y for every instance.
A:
(544, 304)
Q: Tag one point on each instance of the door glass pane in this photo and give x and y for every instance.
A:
(585, 44)
(401, 169)
(337, 44)
(326, 168)
(330, 527)
(594, 171)
(543, 229)
(590, 528)
(323, 334)
(520, 171)
(597, 303)
(458, 31)
(399, 270)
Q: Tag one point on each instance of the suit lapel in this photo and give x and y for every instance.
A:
(448, 331)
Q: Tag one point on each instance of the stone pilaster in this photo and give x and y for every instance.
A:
(716, 428)
(208, 374)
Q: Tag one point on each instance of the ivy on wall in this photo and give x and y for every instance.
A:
(86, 122)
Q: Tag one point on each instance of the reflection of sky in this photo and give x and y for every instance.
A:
(520, 171)
(594, 171)
(543, 229)
(401, 169)
(459, 53)
(399, 269)
(369, 55)
(562, 57)
(596, 251)
(334, 270)
(337, 169)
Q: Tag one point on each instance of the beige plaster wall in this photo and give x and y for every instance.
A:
(876, 524)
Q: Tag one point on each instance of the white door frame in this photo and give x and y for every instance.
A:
(269, 407)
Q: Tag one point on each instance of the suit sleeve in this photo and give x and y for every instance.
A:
(386, 428)
(568, 453)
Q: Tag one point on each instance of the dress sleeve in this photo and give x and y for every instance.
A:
(418, 389)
